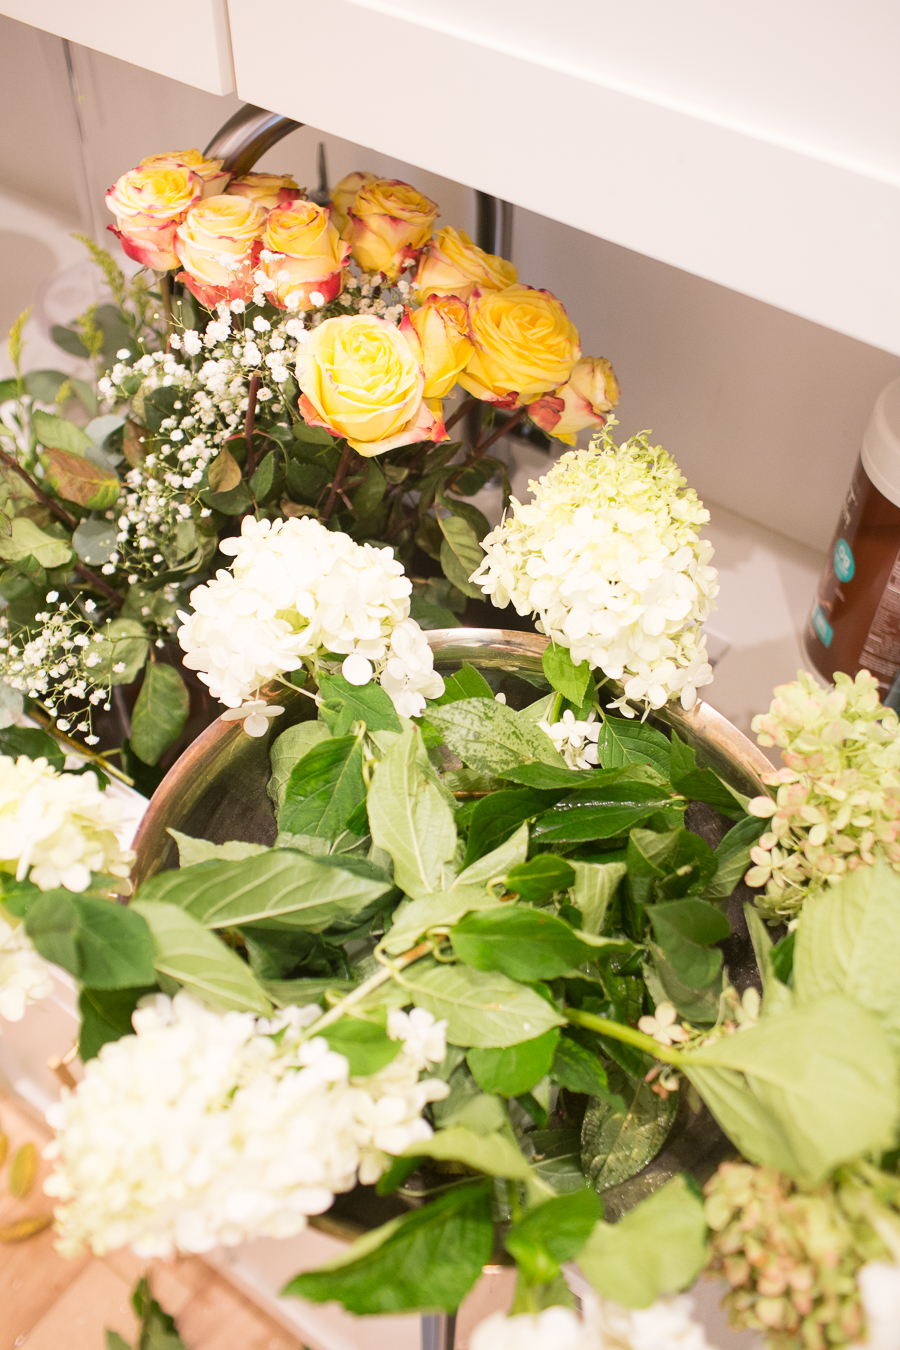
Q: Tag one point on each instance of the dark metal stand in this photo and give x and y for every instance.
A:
(439, 1331)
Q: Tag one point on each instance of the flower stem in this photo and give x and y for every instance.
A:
(617, 1032)
(252, 393)
(460, 413)
(336, 485)
(357, 995)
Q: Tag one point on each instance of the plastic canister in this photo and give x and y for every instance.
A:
(855, 620)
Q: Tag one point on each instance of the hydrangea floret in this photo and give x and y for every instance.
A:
(836, 802)
(668, 1324)
(297, 591)
(608, 556)
(206, 1129)
(57, 828)
(25, 976)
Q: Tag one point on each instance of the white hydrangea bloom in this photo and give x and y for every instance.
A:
(296, 590)
(576, 740)
(667, 1324)
(879, 1285)
(56, 829)
(202, 1129)
(24, 975)
(608, 555)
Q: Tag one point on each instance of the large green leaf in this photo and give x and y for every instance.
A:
(848, 942)
(324, 788)
(123, 651)
(490, 738)
(32, 742)
(466, 683)
(410, 818)
(160, 712)
(600, 813)
(515, 1069)
(523, 943)
(556, 1157)
(733, 857)
(482, 1009)
(58, 433)
(428, 1259)
(685, 930)
(440, 909)
(579, 1069)
(498, 815)
(343, 704)
(200, 961)
(595, 885)
(541, 878)
(365, 1045)
(803, 1090)
(618, 1141)
(104, 945)
(26, 539)
(572, 681)
(701, 785)
(557, 1229)
(659, 1247)
(632, 742)
(497, 864)
(106, 1016)
(78, 479)
(461, 554)
(279, 884)
(191, 851)
(288, 750)
(494, 1152)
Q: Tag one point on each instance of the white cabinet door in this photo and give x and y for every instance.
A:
(187, 40)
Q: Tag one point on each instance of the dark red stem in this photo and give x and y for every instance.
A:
(337, 484)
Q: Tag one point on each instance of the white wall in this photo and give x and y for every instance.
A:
(764, 411)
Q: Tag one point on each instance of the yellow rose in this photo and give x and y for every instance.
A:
(302, 255)
(148, 203)
(209, 170)
(437, 332)
(525, 344)
(590, 392)
(344, 195)
(359, 379)
(453, 265)
(387, 223)
(218, 245)
(266, 189)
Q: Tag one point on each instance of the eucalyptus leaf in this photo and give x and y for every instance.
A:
(200, 962)
(483, 1009)
(617, 1143)
(409, 817)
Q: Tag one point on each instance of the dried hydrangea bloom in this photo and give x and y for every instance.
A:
(607, 554)
(836, 803)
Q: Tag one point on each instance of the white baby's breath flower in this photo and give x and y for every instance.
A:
(608, 555)
(24, 975)
(205, 1129)
(56, 829)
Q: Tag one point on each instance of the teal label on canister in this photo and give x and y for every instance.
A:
(822, 626)
(844, 565)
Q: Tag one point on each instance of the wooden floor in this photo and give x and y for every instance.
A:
(47, 1303)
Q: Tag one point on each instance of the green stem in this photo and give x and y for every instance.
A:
(357, 995)
(617, 1032)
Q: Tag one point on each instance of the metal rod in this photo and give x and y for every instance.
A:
(494, 224)
(439, 1331)
(247, 136)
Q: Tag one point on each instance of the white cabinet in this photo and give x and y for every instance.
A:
(187, 40)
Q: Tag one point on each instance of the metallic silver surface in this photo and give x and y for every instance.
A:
(247, 136)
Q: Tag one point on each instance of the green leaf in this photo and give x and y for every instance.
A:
(494, 1152)
(366, 1045)
(125, 643)
(595, 885)
(281, 884)
(733, 857)
(685, 930)
(104, 945)
(701, 785)
(157, 1329)
(617, 1141)
(312, 435)
(525, 944)
(409, 816)
(578, 1069)
(491, 738)
(106, 1016)
(659, 1247)
(76, 478)
(848, 942)
(600, 813)
(287, 750)
(783, 958)
(500, 862)
(572, 681)
(461, 554)
(115, 1342)
(804, 1090)
(199, 961)
(345, 703)
(27, 540)
(95, 540)
(325, 788)
(557, 1229)
(58, 433)
(412, 918)
(483, 1010)
(429, 616)
(191, 851)
(302, 991)
(777, 997)
(541, 878)
(632, 742)
(466, 683)
(500, 815)
(428, 1259)
(555, 1156)
(515, 1069)
(696, 1005)
(33, 743)
(160, 712)
(224, 472)
(235, 502)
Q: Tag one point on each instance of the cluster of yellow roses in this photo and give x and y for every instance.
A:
(362, 376)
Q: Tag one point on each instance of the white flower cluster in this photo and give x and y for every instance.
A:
(205, 1128)
(57, 828)
(59, 664)
(576, 739)
(24, 975)
(607, 554)
(298, 590)
(667, 1324)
